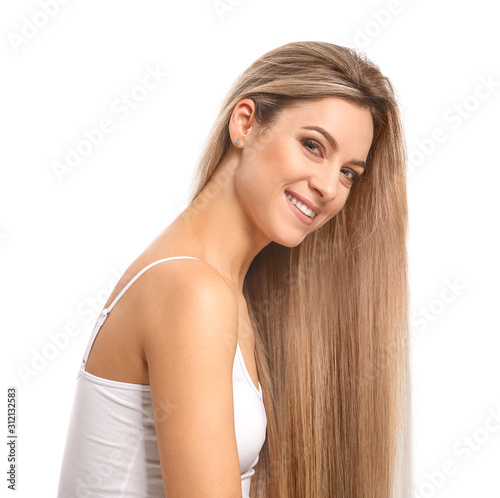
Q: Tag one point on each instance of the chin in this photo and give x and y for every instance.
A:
(289, 241)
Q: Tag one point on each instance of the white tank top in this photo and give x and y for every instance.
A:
(111, 448)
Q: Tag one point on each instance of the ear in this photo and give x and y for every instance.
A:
(242, 119)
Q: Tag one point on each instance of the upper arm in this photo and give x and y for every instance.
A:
(190, 349)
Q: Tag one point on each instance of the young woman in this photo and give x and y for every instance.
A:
(259, 345)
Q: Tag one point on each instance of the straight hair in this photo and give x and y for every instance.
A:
(330, 315)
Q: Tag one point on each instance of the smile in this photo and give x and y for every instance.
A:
(302, 212)
(307, 211)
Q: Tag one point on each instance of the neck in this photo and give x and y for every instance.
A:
(216, 227)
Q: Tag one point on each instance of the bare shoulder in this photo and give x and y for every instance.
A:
(176, 289)
(188, 304)
(188, 273)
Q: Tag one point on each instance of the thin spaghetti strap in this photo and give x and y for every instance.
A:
(110, 307)
(104, 313)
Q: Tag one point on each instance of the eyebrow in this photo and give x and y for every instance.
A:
(334, 143)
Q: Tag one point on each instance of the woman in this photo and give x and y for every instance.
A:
(262, 337)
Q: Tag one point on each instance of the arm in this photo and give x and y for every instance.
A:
(190, 348)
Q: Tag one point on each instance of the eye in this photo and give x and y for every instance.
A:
(354, 176)
(311, 144)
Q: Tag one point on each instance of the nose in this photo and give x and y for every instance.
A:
(326, 183)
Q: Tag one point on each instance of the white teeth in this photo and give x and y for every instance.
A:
(302, 207)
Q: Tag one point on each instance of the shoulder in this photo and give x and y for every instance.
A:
(171, 277)
(189, 277)
(184, 290)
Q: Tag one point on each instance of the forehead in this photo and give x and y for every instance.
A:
(347, 121)
(329, 109)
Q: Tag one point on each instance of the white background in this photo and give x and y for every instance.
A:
(65, 243)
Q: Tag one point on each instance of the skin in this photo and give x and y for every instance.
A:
(240, 211)
(243, 207)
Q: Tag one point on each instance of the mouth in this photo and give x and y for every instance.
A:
(301, 211)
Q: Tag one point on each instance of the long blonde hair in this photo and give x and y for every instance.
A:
(331, 315)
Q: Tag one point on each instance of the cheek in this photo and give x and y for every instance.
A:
(264, 171)
(335, 208)
(279, 158)
(252, 185)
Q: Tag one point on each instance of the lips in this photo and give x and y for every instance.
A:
(304, 201)
(297, 212)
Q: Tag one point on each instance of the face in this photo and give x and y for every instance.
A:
(307, 161)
